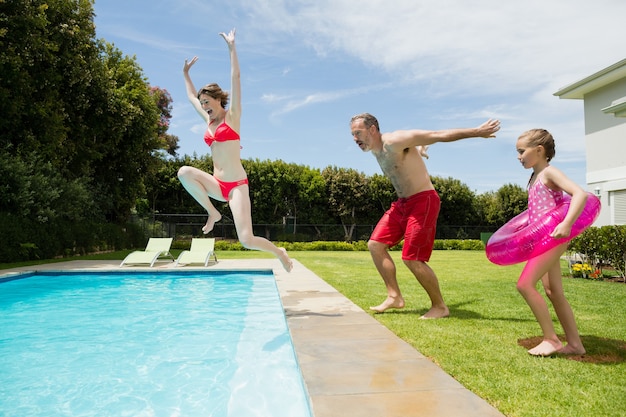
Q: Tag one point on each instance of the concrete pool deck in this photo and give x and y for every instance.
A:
(352, 365)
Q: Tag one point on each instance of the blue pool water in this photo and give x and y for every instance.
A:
(147, 344)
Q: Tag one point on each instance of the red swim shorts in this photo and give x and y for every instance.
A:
(414, 219)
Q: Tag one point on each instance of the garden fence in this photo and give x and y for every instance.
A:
(186, 226)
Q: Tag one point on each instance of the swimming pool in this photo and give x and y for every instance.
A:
(147, 344)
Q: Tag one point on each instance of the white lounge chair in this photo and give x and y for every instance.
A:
(156, 248)
(201, 251)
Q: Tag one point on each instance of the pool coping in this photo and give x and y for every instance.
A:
(351, 364)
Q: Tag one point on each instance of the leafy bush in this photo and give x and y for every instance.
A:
(459, 244)
(603, 245)
(26, 239)
(360, 245)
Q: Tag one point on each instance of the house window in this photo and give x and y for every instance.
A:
(619, 206)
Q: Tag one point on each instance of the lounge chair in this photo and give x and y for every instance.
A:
(156, 248)
(201, 251)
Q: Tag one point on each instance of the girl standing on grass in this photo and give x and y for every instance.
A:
(535, 150)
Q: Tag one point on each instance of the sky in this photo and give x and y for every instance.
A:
(308, 66)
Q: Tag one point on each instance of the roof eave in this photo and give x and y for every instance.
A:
(593, 82)
(617, 108)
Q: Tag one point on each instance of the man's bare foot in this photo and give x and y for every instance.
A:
(436, 313)
(285, 260)
(390, 302)
(546, 348)
(570, 349)
(211, 222)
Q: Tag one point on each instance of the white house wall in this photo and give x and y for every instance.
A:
(595, 119)
(605, 138)
(605, 141)
(606, 170)
(606, 154)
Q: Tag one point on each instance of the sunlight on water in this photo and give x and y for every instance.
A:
(147, 344)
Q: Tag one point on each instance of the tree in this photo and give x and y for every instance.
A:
(163, 101)
(511, 200)
(382, 194)
(497, 208)
(271, 186)
(311, 201)
(50, 74)
(126, 136)
(458, 206)
(347, 191)
(80, 130)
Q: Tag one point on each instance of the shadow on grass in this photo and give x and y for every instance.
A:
(413, 311)
(600, 350)
(457, 312)
(454, 311)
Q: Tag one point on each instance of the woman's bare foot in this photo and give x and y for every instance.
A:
(390, 302)
(570, 349)
(546, 348)
(436, 313)
(211, 222)
(285, 260)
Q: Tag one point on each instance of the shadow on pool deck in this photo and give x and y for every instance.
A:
(352, 365)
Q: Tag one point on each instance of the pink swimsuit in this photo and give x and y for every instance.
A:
(541, 198)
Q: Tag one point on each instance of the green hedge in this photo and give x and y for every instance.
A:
(361, 245)
(25, 239)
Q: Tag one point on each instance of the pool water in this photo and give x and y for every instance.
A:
(147, 344)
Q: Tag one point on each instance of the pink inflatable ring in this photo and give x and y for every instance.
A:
(518, 241)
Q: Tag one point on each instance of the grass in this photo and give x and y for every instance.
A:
(483, 343)
(479, 344)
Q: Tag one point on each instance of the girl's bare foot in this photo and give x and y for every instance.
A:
(570, 349)
(285, 260)
(211, 222)
(390, 302)
(436, 313)
(546, 348)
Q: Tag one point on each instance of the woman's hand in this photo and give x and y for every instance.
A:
(189, 64)
(229, 38)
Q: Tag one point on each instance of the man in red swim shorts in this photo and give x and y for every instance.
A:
(413, 217)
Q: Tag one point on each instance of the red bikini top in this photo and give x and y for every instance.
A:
(223, 133)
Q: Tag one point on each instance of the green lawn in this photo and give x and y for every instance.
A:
(481, 343)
